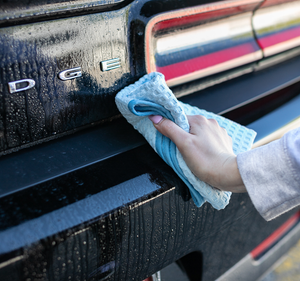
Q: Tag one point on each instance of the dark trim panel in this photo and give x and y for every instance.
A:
(49, 160)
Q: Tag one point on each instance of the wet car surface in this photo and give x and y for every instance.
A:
(82, 195)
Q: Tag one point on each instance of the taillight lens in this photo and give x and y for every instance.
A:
(277, 27)
(196, 42)
(192, 43)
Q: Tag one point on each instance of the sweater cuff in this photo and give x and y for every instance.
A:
(270, 179)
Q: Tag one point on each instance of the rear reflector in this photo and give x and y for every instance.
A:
(262, 258)
(275, 237)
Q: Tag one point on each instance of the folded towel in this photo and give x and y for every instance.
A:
(151, 96)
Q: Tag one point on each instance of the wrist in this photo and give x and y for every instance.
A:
(230, 178)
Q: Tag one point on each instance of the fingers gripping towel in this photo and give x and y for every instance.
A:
(151, 96)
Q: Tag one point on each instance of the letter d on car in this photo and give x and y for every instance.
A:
(13, 86)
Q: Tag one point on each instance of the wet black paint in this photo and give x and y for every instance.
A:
(54, 106)
(40, 50)
(134, 238)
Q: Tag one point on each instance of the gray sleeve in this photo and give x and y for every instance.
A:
(271, 174)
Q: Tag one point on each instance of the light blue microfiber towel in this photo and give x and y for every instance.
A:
(151, 96)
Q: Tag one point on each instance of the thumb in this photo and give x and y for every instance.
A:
(169, 129)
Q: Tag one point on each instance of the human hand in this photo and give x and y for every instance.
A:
(207, 150)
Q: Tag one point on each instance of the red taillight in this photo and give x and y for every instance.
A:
(277, 27)
(196, 42)
(192, 43)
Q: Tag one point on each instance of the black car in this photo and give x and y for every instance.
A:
(82, 195)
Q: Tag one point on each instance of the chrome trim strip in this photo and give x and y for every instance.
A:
(13, 260)
(156, 276)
